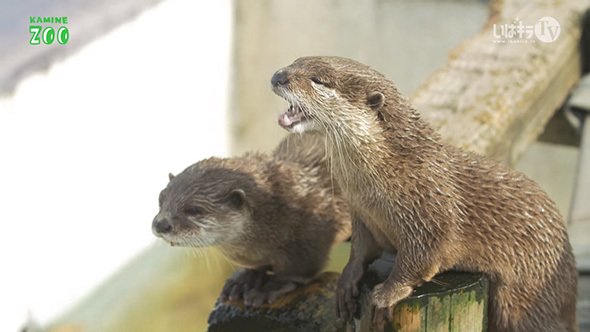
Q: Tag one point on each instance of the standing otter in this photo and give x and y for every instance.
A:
(438, 206)
(277, 216)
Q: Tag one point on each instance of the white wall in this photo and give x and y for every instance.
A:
(86, 147)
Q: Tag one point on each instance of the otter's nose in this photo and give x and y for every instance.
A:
(161, 226)
(279, 78)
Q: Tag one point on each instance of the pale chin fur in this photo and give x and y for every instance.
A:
(301, 127)
(203, 240)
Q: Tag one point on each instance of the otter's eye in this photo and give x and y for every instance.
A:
(193, 211)
(317, 81)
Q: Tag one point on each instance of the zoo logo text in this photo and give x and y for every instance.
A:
(41, 33)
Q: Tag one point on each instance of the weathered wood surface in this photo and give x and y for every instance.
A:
(495, 98)
(307, 309)
(453, 301)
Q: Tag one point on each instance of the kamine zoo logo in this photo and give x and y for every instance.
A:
(46, 30)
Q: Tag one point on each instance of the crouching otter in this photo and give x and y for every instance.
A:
(275, 215)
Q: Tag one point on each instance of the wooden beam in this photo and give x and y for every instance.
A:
(495, 97)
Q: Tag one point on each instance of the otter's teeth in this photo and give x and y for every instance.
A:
(286, 120)
(291, 117)
(291, 110)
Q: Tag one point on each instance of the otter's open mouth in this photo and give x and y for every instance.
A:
(291, 117)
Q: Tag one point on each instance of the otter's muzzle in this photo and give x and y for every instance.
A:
(161, 226)
(279, 78)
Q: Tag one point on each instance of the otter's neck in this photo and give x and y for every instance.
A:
(402, 137)
(365, 164)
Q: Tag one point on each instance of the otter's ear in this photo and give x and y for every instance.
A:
(170, 176)
(237, 198)
(375, 100)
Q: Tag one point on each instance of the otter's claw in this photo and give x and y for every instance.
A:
(347, 292)
(268, 292)
(240, 283)
(346, 298)
(381, 316)
(384, 298)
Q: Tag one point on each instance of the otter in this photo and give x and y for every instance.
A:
(437, 206)
(275, 215)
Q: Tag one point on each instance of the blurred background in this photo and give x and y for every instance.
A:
(90, 130)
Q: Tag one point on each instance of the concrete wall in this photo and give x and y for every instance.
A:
(406, 40)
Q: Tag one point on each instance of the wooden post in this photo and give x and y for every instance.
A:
(453, 301)
(309, 308)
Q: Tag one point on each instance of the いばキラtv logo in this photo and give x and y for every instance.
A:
(46, 30)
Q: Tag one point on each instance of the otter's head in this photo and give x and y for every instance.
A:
(202, 206)
(332, 93)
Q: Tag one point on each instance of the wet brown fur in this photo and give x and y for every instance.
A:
(438, 206)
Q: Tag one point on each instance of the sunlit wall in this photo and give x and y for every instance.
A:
(86, 147)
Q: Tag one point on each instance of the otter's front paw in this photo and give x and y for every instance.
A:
(384, 298)
(347, 291)
(268, 292)
(381, 316)
(240, 283)
(385, 295)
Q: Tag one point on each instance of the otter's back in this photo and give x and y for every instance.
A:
(306, 149)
